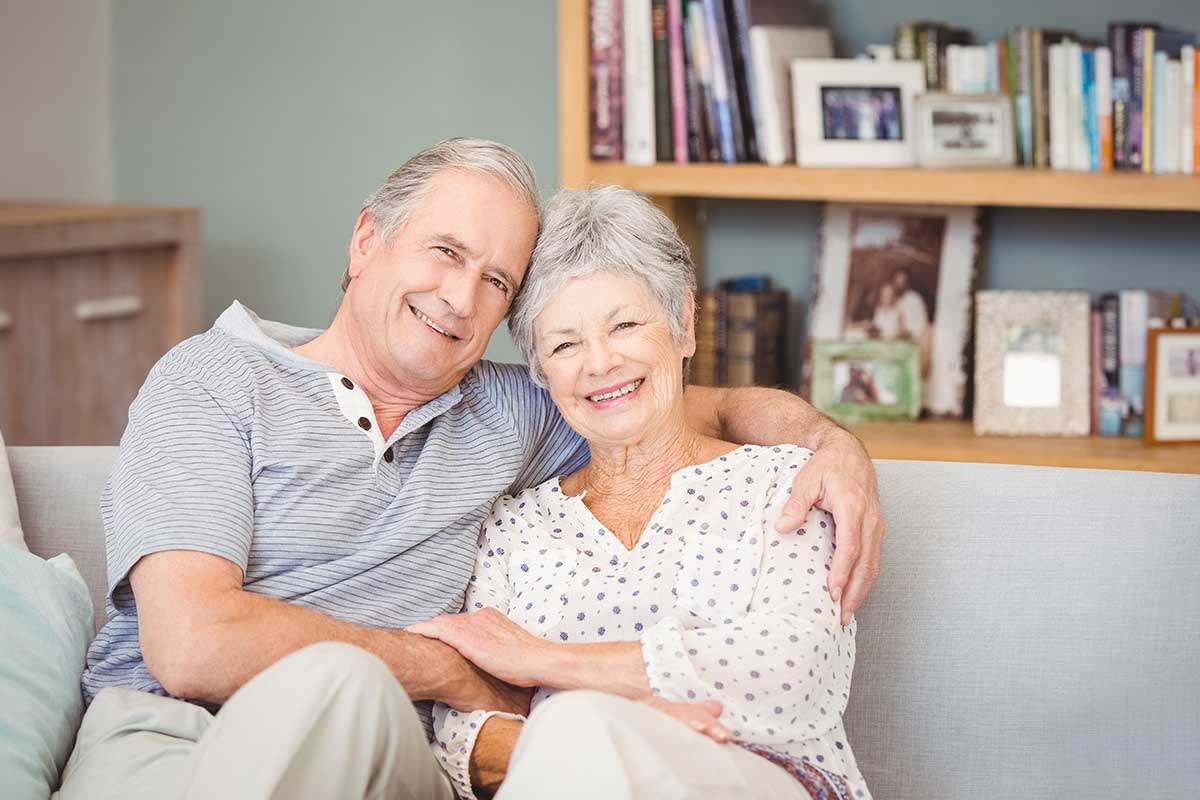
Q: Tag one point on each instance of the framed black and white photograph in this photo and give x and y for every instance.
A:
(1173, 385)
(901, 273)
(1032, 368)
(855, 113)
(964, 131)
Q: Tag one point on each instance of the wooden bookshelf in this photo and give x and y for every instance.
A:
(940, 440)
(677, 188)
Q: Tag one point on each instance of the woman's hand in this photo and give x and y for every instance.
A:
(703, 717)
(492, 642)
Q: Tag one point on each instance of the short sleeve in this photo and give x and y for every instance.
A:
(181, 481)
(549, 444)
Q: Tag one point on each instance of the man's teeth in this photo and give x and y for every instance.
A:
(626, 389)
(431, 323)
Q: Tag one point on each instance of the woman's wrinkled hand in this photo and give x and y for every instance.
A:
(703, 717)
(492, 642)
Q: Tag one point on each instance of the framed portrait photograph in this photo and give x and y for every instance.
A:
(901, 273)
(1032, 363)
(964, 130)
(867, 381)
(1172, 385)
(855, 113)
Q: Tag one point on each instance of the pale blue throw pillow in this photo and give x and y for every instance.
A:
(46, 620)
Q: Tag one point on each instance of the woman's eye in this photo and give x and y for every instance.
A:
(624, 326)
(446, 251)
(561, 348)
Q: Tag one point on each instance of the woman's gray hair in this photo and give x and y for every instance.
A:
(393, 203)
(603, 229)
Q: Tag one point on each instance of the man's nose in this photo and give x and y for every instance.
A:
(458, 291)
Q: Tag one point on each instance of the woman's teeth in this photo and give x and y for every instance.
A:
(624, 390)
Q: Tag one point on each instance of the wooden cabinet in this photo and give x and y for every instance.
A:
(90, 298)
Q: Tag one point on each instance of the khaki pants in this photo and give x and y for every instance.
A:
(329, 721)
(585, 745)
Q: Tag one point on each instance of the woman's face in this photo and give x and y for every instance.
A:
(611, 364)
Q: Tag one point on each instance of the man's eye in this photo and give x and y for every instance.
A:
(499, 284)
(444, 251)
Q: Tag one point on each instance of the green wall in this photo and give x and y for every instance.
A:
(277, 119)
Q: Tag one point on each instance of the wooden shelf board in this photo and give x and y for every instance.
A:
(939, 440)
(985, 187)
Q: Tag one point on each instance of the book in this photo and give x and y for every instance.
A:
(678, 78)
(733, 148)
(1118, 43)
(1112, 405)
(1020, 90)
(1147, 60)
(606, 70)
(1159, 113)
(1059, 106)
(698, 34)
(1097, 373)
(754, 346)
(772, 50)
(1137, 307)
(697, 139)
(1040, 41)
(1187, 95)
(664, 138)
(638, 83)
(1077, 158)
(702, 369)
(1196, 116)
(1102, 109)
(931, 46)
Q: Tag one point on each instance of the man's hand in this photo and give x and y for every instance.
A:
(466, 687)
(492, 642)
(839, 478)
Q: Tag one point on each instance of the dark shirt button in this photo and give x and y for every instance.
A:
(364, 423)
(349, 384)
(387, 455)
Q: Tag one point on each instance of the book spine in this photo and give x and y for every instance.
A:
(1111, 411)
(1158, 113)
(953, 69)
(1172, 85)
(1103, 109)
(1118, 43)
(1076, 136)
(1187, 109)
(698, 31)
(606, 70)
(723, 66)
(1024, 96)
(1096, 373)
(1089, 128)
(906, 41)
(638, 83)
(678, 72)
(1134, 316)
(1147, 99)
(739, 41)
(931, 48)
(664, 139)
(1040, 110)
(1196, 115)
(697, 144)
(1137, 88)
(773, 129)
(1059, 123)
(720, 81)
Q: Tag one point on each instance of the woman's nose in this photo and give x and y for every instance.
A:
(601, 358)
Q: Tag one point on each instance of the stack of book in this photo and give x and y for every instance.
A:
(1119, 324)
(1132, 102)
(741, 329)
(696, 80)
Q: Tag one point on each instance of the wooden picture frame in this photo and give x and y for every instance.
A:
(1172, 385)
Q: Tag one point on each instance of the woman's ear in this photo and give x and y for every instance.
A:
(689, 326)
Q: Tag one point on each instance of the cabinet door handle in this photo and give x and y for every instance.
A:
(6, 322)
(126, 305)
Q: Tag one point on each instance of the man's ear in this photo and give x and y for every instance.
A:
(689, 326)
(363, 242)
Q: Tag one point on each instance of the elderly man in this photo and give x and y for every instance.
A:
(287, 501)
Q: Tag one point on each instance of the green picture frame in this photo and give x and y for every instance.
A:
(865, 381)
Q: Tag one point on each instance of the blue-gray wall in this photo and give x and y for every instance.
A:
(277, 118)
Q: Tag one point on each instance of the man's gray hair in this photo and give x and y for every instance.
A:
(393, 203)
(603, 229)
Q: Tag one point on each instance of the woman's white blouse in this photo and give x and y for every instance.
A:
(724, 606)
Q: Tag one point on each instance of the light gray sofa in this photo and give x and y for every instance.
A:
(1035, 634)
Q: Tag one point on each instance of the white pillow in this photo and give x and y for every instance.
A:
(10, 523)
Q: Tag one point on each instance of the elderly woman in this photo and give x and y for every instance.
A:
(680, 645)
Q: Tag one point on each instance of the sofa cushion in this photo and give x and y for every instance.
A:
(10, 521)
(46, 616)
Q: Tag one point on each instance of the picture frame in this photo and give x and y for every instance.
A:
(867, 381)
(964, 130)
(1033, 363)
(855, 113)
(1172, 385)
(902, 272)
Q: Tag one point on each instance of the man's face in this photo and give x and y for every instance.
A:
(424, 305)
(900, 281)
